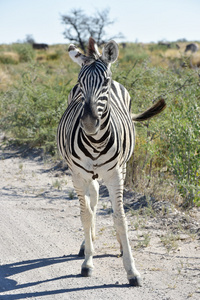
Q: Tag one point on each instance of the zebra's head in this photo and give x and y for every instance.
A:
(94, 80)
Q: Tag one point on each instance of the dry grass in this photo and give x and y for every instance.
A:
(5, 80)
(166, 57)
(195, 59)
(9, 57)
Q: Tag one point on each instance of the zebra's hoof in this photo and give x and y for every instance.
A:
(86, 272)
(81, 253)
(135, 281)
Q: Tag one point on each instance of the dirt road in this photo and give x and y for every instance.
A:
(40, 236)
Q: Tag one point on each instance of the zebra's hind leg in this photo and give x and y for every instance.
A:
(115, 187)
(87, 192)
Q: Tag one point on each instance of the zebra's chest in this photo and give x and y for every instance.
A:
(94, 158)
(94, 155)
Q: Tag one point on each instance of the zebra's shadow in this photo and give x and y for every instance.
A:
(7, 270)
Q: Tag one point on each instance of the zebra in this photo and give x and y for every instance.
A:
(96, 138)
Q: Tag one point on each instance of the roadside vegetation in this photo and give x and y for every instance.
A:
(34, 87)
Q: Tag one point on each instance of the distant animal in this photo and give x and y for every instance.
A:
(96, 137)
(168, 45)
(123, 45)
(40, 46)
(192, 47)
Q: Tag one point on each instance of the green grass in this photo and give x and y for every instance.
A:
(34, 88)
(171, 140)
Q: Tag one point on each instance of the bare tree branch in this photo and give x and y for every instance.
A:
(79, 27)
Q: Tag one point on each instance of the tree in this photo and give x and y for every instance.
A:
(79, 27)
(29, 39)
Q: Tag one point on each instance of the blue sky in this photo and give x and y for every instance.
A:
(141, 20)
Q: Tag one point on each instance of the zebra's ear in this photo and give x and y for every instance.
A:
(110, 52)
(78, 57)
(93, 49)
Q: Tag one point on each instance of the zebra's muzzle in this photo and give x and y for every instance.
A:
(90, 125)
(90, 121)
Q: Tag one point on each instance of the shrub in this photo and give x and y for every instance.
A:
(184, 151)
(54, 55)
(31, 110)
(169, 141)
(9, 58)
(25, 51)
(133, 52)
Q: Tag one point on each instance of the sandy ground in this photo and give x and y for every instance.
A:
(40, 236)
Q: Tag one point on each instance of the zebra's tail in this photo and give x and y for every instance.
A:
(150, 112)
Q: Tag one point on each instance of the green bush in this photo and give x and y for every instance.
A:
(169, 141)
(54, 55)
(25, 51)
(32, 109)
(184, 150)
(133, 52)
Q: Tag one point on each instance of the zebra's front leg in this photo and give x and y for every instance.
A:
(94, 197)
(86, 218)
(88, 196)
(115, 187)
